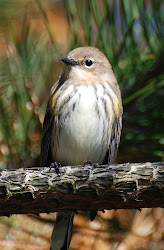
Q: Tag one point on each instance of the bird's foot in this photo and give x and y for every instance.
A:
(97, 164)
(56, 166)
(87, 163)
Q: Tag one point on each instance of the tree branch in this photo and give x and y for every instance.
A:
(127, 186)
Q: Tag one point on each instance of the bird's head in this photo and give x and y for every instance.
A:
(87, 62)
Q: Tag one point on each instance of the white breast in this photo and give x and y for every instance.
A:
(82, 133)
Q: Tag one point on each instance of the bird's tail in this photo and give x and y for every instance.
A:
(61, 236)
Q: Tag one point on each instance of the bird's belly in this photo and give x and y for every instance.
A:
(81, 134)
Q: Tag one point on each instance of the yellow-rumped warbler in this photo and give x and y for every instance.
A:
(83, 121)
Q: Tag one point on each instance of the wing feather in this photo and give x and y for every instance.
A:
(46, 156)
(49, 122)
(114, 141)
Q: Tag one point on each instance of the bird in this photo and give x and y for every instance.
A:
(83, 121)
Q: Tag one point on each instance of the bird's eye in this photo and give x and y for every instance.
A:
(88, 63)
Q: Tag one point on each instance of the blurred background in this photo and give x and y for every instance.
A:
(34, 34)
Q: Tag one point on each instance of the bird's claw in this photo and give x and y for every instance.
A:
(88, 163)
(97, 164)
(56, 166)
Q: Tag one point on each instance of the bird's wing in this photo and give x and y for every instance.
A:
(45, 155)
(114, 141)
(49, 122)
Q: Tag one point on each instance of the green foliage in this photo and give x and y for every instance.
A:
(130, 33)
(24, 72)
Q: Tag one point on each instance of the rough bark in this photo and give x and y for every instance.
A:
(127, 186)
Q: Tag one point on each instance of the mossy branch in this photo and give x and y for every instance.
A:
(44, 189)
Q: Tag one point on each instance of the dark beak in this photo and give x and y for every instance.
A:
(68, 61)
